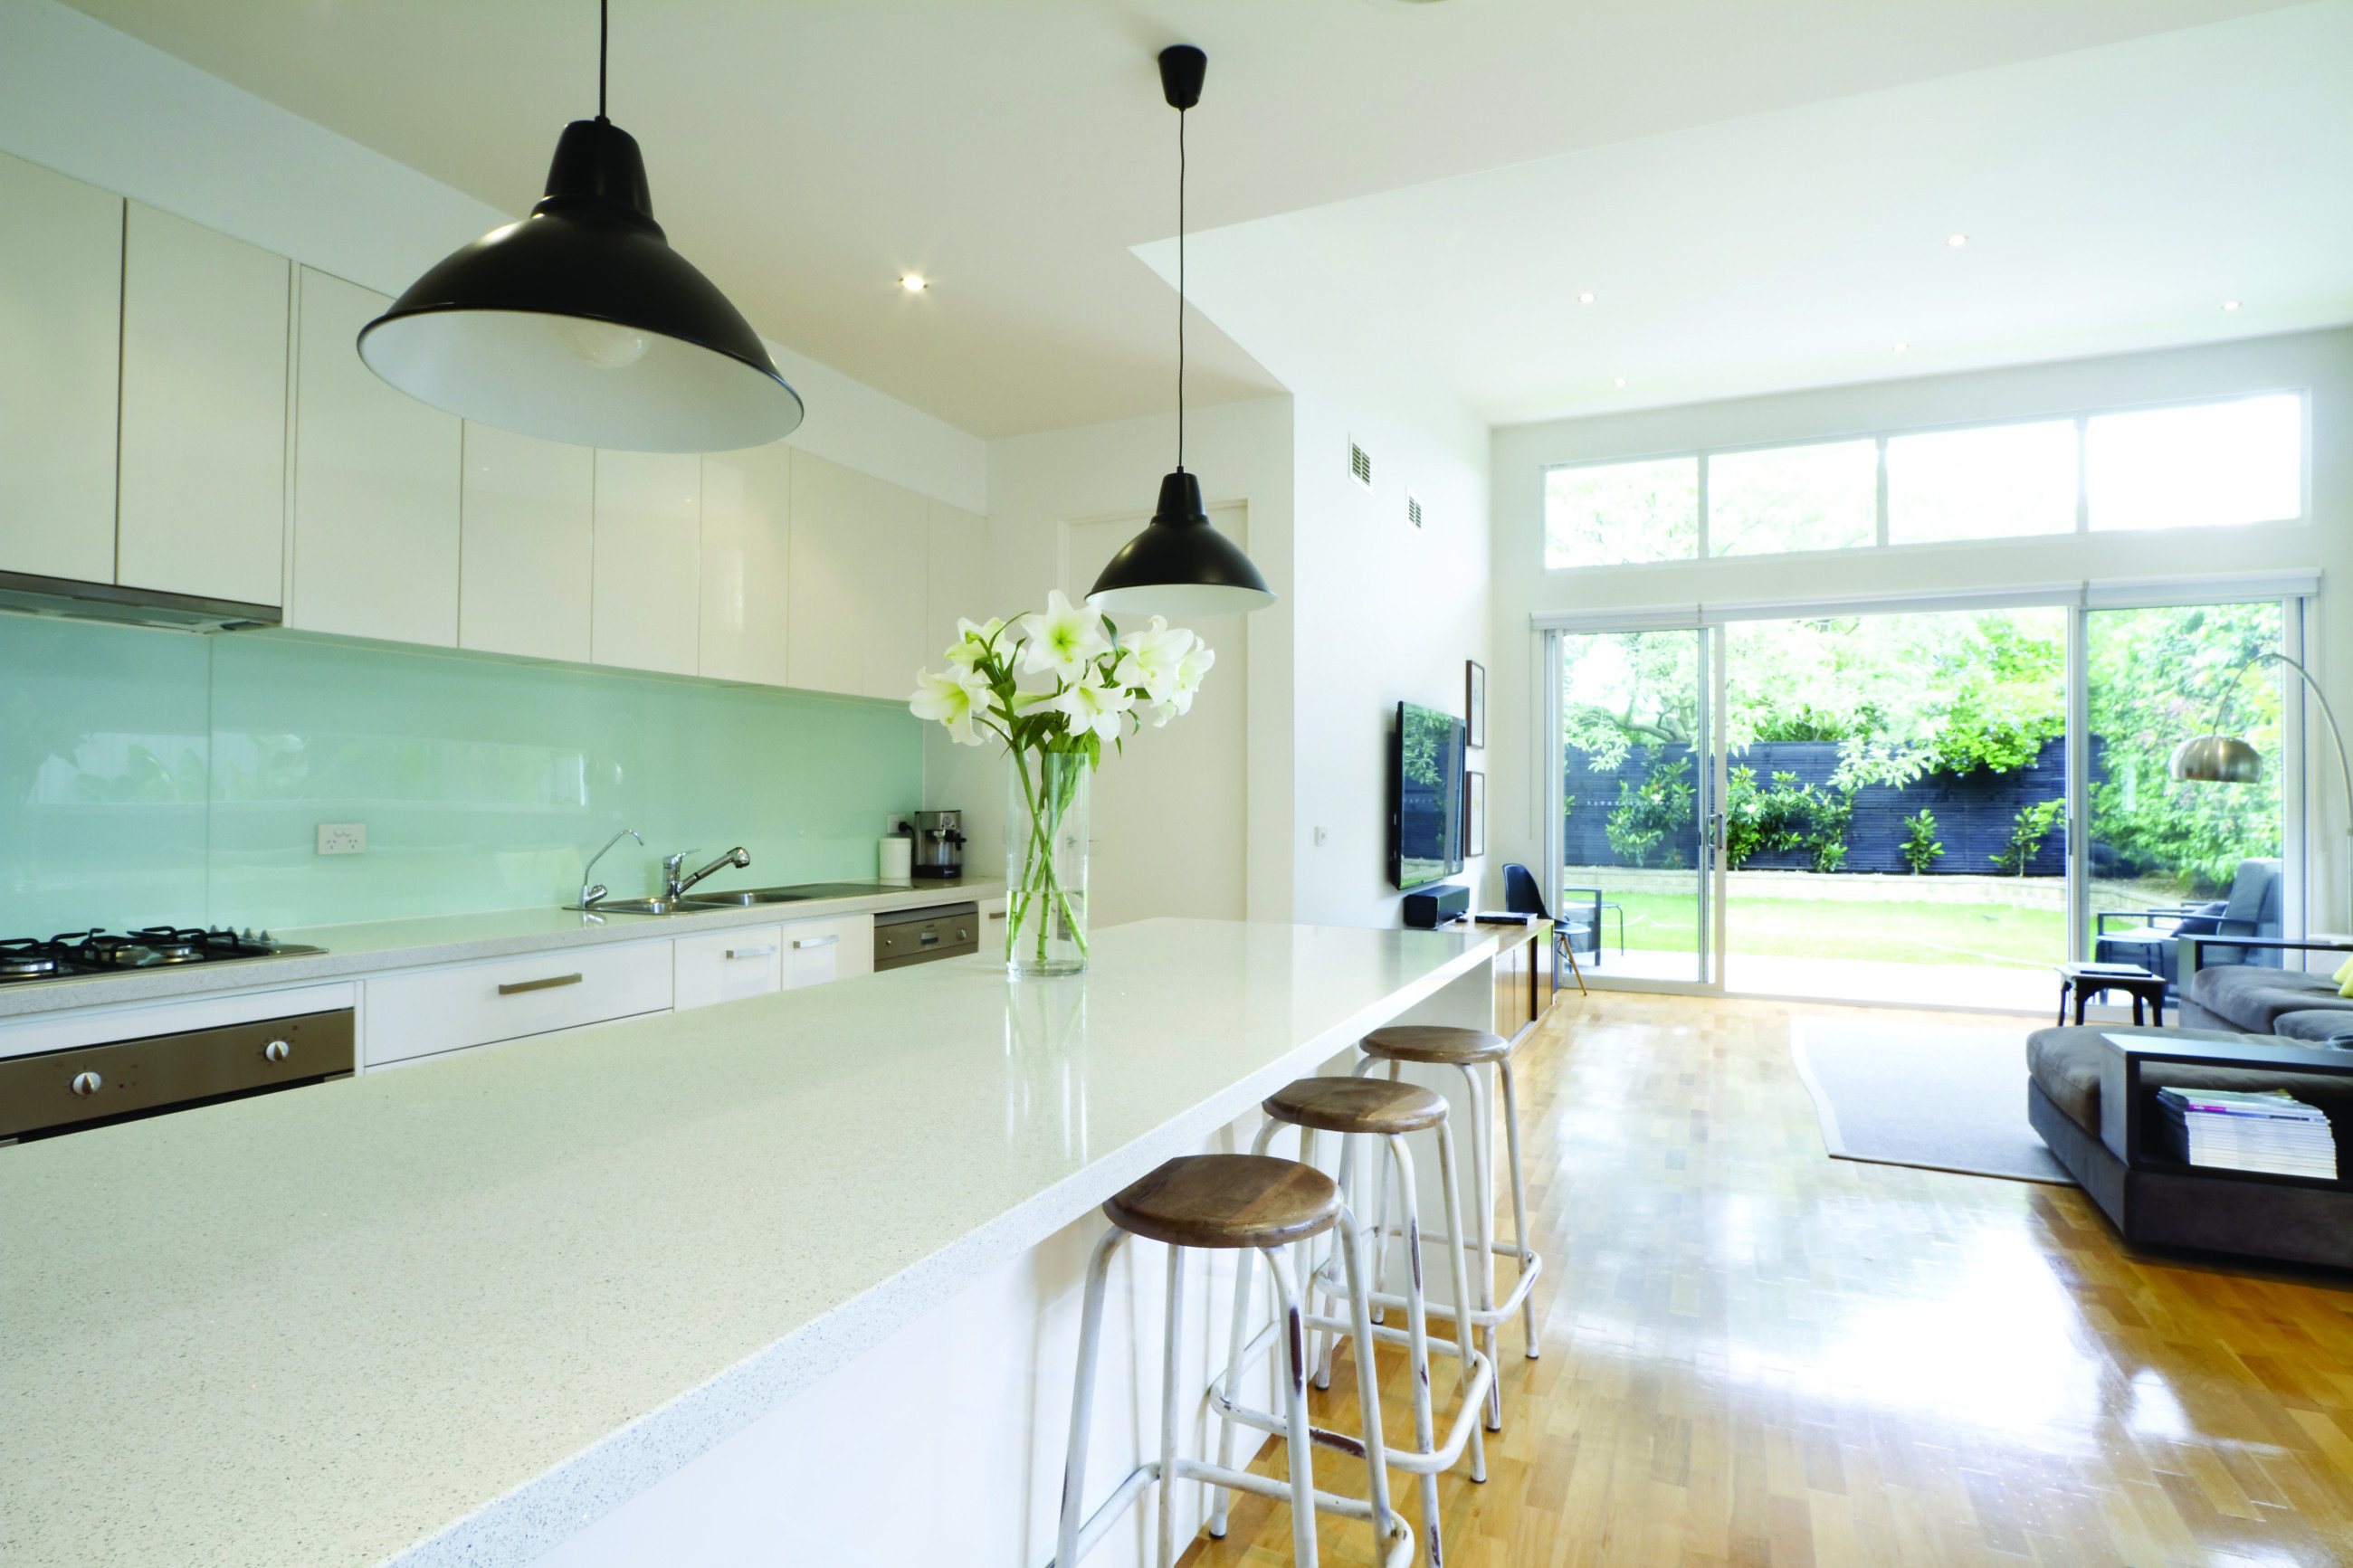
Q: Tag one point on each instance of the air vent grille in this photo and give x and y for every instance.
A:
(1360, 465)
(1413, 509)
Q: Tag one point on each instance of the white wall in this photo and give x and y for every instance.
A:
(1380, 613)
(77, 97)
(1040, 484)
(2319, 363)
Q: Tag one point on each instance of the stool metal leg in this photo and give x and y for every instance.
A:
(1483, 1182)
(1519, 1207)
(1067, 1544)
(1172, 1343)
(1301, 1438)
(1462, 1281)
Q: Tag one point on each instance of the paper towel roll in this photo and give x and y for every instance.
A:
(898, 859)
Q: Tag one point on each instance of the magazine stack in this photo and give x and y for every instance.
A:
(2271, 1131)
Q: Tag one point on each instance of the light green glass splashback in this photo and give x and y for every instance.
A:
(150, 775)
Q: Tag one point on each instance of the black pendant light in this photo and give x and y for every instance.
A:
(581, 324)
(1179, 565)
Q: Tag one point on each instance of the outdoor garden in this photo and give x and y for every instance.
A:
(1895, 784)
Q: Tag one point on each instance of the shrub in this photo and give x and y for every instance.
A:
(1921, 849)
(2026, 835)
(1646, 813)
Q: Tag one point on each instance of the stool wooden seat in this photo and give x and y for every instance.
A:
(1356, 1105)
(1228, 1201)
(1436, 1044)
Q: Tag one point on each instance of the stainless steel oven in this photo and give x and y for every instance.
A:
(91, 1086)
(902, 937)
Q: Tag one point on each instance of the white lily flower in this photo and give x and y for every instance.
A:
(1157, 655)
(954, 700)
(1062, 639)
(1090, 705)
(1189, 671)
(973, 641)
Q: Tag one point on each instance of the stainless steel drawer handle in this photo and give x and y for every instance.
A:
(277, 1052)
(815, 941)
(751, 952)
(87, 1084)
(927, 938)
(996, 914)
(547, 985)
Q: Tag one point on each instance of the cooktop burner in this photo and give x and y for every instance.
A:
(87, 953)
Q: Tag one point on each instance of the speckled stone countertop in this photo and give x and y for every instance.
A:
(445, 1314)
(377, 945)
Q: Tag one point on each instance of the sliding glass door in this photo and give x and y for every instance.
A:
(1633, 869)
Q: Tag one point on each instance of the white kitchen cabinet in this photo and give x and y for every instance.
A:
(647, 602)
(822, 950)
(957, 562)
(893, 579)
(746, 564)
(425, 1012)
(376, 480)
(61, 360)
(203, 477)
(527, 545)
(727, 965)
(859, 576)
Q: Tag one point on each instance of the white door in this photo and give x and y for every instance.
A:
(1171, 816)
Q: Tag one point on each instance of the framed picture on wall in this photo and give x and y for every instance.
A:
(1474, 701)
(1474, 813)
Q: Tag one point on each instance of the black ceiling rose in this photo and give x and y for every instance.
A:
(581, 324)
(1180, 565)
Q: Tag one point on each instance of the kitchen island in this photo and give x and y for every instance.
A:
(741, 1271)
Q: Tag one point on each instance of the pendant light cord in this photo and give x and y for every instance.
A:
(604, 29)
(1180, 291)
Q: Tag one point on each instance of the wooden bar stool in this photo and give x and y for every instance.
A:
(1435, 1045)
(1257, 1205)
(1359, 1108)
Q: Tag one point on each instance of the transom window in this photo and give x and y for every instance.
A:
(2195, 466)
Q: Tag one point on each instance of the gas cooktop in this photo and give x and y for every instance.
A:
(82, 953)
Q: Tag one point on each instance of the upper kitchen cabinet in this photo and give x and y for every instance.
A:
(60, 357)
(859, 580)
(377, 476)
(527, 550)
(957, 561)
(648, 588)
(203, 480)
(746, 563)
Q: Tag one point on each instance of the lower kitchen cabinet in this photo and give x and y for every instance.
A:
(835, 949)
(424, 1012)
(728, 965)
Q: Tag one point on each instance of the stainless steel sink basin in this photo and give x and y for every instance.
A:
(743, 899)
(635, 907)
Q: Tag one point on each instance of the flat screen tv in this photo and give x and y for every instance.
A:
(1425, 796)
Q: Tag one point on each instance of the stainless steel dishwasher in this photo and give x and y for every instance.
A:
(902, 937)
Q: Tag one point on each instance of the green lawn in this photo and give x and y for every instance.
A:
(1820, 928)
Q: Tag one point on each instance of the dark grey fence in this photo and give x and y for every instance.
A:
(1974, 811)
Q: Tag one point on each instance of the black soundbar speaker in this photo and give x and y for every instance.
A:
(1433, 907)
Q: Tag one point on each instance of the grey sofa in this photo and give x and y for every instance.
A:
(2180, 1207)
(2251, 998)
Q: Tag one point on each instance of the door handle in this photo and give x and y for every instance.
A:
(751, 952)
(814, 941)
(548, 984)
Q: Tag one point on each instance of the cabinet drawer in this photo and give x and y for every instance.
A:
(429, 1011)
(728, 965)
(836, 948)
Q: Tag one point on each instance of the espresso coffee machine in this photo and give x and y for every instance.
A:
(939, 845)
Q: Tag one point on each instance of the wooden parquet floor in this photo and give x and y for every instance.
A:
(1754, 1354)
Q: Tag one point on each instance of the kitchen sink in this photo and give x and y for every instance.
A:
(635, 907)
(744, 900)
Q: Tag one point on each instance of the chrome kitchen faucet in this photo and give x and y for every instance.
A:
(674, 886)
(590, 892)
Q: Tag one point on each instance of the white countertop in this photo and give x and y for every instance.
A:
(374, 946)
(445, 1313)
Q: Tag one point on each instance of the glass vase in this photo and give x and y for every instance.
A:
(1046, 863)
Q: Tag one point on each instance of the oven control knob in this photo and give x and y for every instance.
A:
(276, 1051)
(87, 1084)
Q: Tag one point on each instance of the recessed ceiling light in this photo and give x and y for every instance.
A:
(1956, 240)
(914, 283)
(1586, 298)
(2229, 304)
(1900, 347)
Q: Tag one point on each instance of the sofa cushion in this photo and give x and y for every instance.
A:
(2203, 920)
(2314, 1024)
(2067, 1062)
(2251, 998)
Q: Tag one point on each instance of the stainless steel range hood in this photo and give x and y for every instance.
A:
(130, 607)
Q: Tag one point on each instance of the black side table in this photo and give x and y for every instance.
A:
(2083, 980)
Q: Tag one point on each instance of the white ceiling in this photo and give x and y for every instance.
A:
(804, 152)
(2112, 199)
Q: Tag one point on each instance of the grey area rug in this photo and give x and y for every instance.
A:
(1895, 1093)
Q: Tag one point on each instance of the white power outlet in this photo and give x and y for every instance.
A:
(897, 823)
(342, 839)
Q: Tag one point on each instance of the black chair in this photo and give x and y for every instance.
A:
(2251, 910)
(1523, 897)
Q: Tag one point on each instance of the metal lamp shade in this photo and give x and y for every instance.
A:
(581, 324)
(2216, 759)
(1179, 565)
